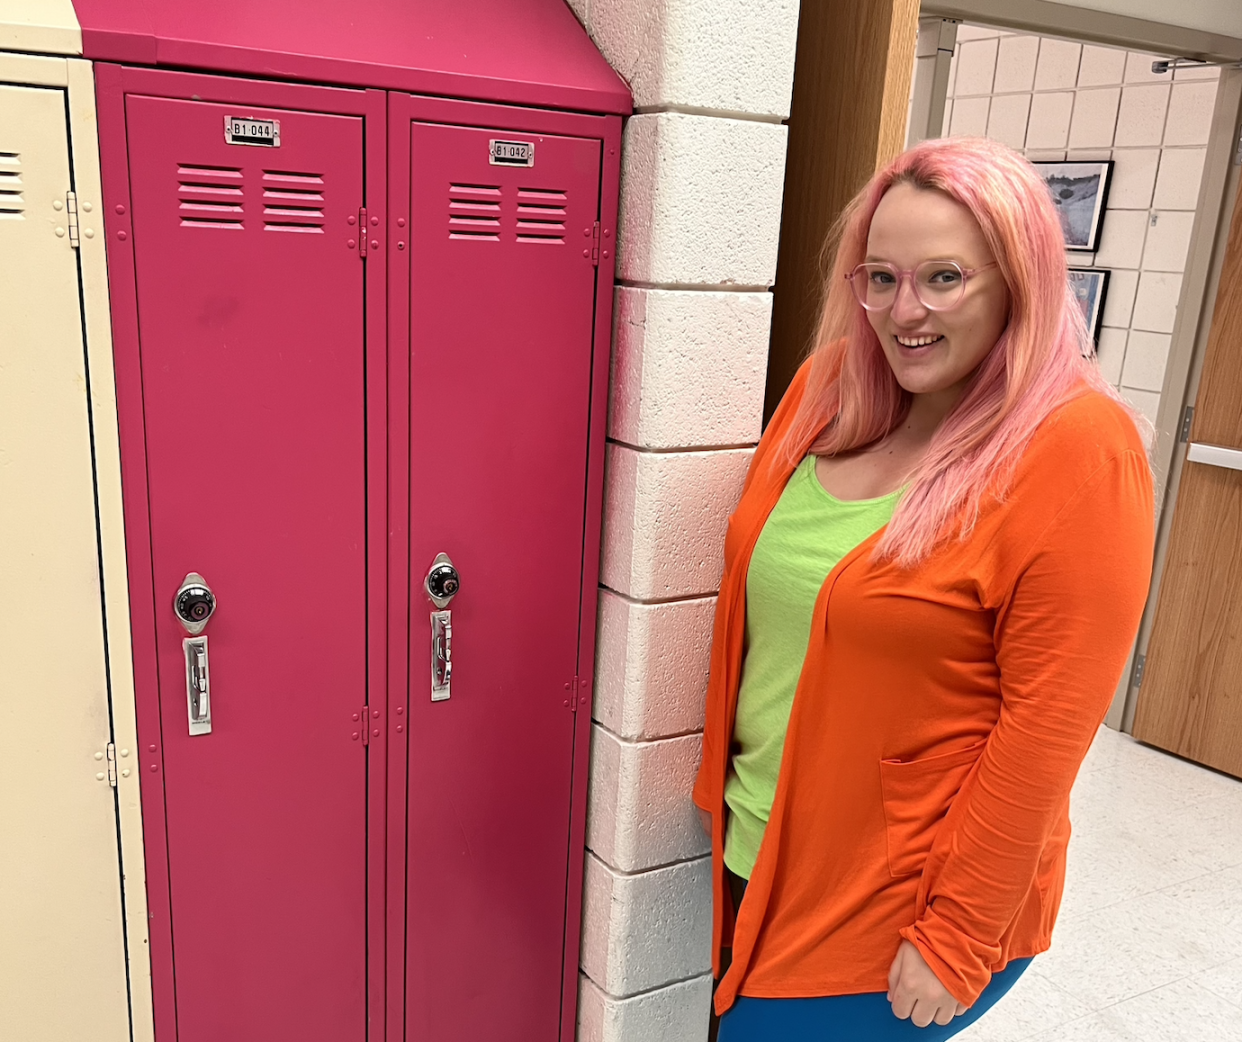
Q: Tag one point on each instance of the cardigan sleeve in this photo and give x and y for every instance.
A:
(1062, 638)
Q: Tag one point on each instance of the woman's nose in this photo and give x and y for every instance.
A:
(906, 306)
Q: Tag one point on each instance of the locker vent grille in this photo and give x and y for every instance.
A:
(541, 215)
(11, 203)
(474, 212)
(210, 196)
(292, 201)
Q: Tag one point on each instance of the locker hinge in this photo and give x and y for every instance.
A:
(1187, 417)
(1137, 679)
(573, 690)
(112, 765)
(71, 209)
(362, 231)
(595, 261)
(366, 725)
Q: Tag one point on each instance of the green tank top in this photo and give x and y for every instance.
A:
(805, 536)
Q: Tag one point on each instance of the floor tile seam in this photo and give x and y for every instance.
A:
(1235, 1003)
(1039, 1032)
(1190, 879)
(1046, 1032)
(1130, 897)
(1218, 965)
(1147, 991)
(1127, 998)
(1057, 987)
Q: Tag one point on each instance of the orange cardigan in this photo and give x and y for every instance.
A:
(939, 721)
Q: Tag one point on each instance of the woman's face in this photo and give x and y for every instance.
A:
(935, 352)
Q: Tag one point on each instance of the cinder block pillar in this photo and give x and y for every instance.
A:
(702, 180)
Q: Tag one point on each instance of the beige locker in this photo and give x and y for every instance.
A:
(73, 941)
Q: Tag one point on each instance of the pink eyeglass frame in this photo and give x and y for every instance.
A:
(908, 273)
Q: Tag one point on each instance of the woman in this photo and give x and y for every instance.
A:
(931, 585)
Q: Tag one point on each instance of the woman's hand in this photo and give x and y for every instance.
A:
(705, 819)
(916, 993)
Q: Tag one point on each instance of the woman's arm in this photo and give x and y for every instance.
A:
(1062, 641)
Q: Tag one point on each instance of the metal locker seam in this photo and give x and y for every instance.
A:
(609, 133)
(397, 176)
(375, 303)
(145, 844)
(92, 264)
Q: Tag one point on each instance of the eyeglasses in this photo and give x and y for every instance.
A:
(938, 285)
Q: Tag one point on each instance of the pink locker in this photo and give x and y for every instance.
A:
(361, 276)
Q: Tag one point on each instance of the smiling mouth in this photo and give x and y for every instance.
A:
(918, 341)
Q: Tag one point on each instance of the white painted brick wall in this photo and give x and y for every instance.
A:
(646, 930)
(688, 368)
(665, 515)
(651, 664)
(722, 55)
(702, 179)
(638, 816)
(1093, 103)
(701, 201)
(672, 1014)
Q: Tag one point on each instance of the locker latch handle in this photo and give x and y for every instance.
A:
(441, 654)
(197, 684)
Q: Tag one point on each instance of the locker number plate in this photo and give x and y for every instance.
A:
(511, 153)
(240, 131)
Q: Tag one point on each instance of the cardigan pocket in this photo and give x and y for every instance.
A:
(916, 796)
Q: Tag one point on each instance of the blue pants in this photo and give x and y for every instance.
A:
(849, 1018)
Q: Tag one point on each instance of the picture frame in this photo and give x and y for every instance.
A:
(1079, 191)
(1090, 286)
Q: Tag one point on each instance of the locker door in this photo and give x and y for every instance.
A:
(250, 312)
(62, 948)
(501, 312)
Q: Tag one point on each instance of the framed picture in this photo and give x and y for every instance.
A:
(1079, 191)
(1090, 285)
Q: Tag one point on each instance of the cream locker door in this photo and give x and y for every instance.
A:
(62, 946)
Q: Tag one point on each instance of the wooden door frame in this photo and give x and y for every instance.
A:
(1209, 232)
(847, 117)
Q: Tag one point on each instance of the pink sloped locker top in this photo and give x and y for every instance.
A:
(527, 52)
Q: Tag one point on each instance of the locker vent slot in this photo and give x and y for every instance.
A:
(11, 203)
(210, 196)
(293, 201)
(541, 215)
(474, 212)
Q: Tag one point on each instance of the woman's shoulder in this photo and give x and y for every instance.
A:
(1079, 436)
(1087, 444)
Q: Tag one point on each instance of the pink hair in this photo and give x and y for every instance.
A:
(852, 398)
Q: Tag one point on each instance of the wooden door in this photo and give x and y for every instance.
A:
(1190, 701)
(62, 944)
(502, 310)
(851, 95)
(250, 296)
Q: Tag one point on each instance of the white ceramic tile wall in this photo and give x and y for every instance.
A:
(1055, 100)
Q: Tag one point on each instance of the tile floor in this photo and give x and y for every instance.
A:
(1149, 942)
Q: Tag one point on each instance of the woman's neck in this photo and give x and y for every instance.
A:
(927, 411)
